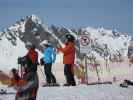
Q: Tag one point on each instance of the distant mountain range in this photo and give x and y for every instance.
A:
(105, 42)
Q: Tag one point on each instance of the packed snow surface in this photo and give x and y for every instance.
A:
(82, 92)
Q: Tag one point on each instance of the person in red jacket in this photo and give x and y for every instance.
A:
(30, 74)
(32, 56)
(68, 60)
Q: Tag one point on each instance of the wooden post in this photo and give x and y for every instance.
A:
(95, 66)
(106, 58)
(86, 70)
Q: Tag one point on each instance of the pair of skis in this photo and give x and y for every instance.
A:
(126, 83)
(51, 85)
(4, 92)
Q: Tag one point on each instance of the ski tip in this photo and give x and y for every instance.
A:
(96, 83)
(51, 85)
(123, 85)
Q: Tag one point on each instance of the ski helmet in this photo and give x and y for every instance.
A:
(30, 45)
(45, 42)
(70, 37)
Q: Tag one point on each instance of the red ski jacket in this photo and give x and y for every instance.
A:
(69, 53)
(33, 55)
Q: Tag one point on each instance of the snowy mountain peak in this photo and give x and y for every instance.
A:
(36, 19)
(13, 39)
(31, 29)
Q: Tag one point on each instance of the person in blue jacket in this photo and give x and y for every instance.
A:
(49, 58)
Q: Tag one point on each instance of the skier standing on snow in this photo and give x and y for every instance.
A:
(32, 76)
(49, 58)
(28, 91)
(68, 60)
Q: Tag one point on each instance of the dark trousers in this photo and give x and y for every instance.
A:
(68, 72)
(50, 78)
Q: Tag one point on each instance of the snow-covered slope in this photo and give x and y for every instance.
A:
(105, 40)
(97, 92)
(9, 53)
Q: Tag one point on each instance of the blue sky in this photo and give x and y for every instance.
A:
(111, 14)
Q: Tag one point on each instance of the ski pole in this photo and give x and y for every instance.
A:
(94, 59)
(20, 70)
(106, 63)
(86, 70)
(42, 73)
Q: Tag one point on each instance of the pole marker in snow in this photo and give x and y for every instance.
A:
(85, 43)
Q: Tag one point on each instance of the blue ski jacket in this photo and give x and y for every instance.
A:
(49, 55)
